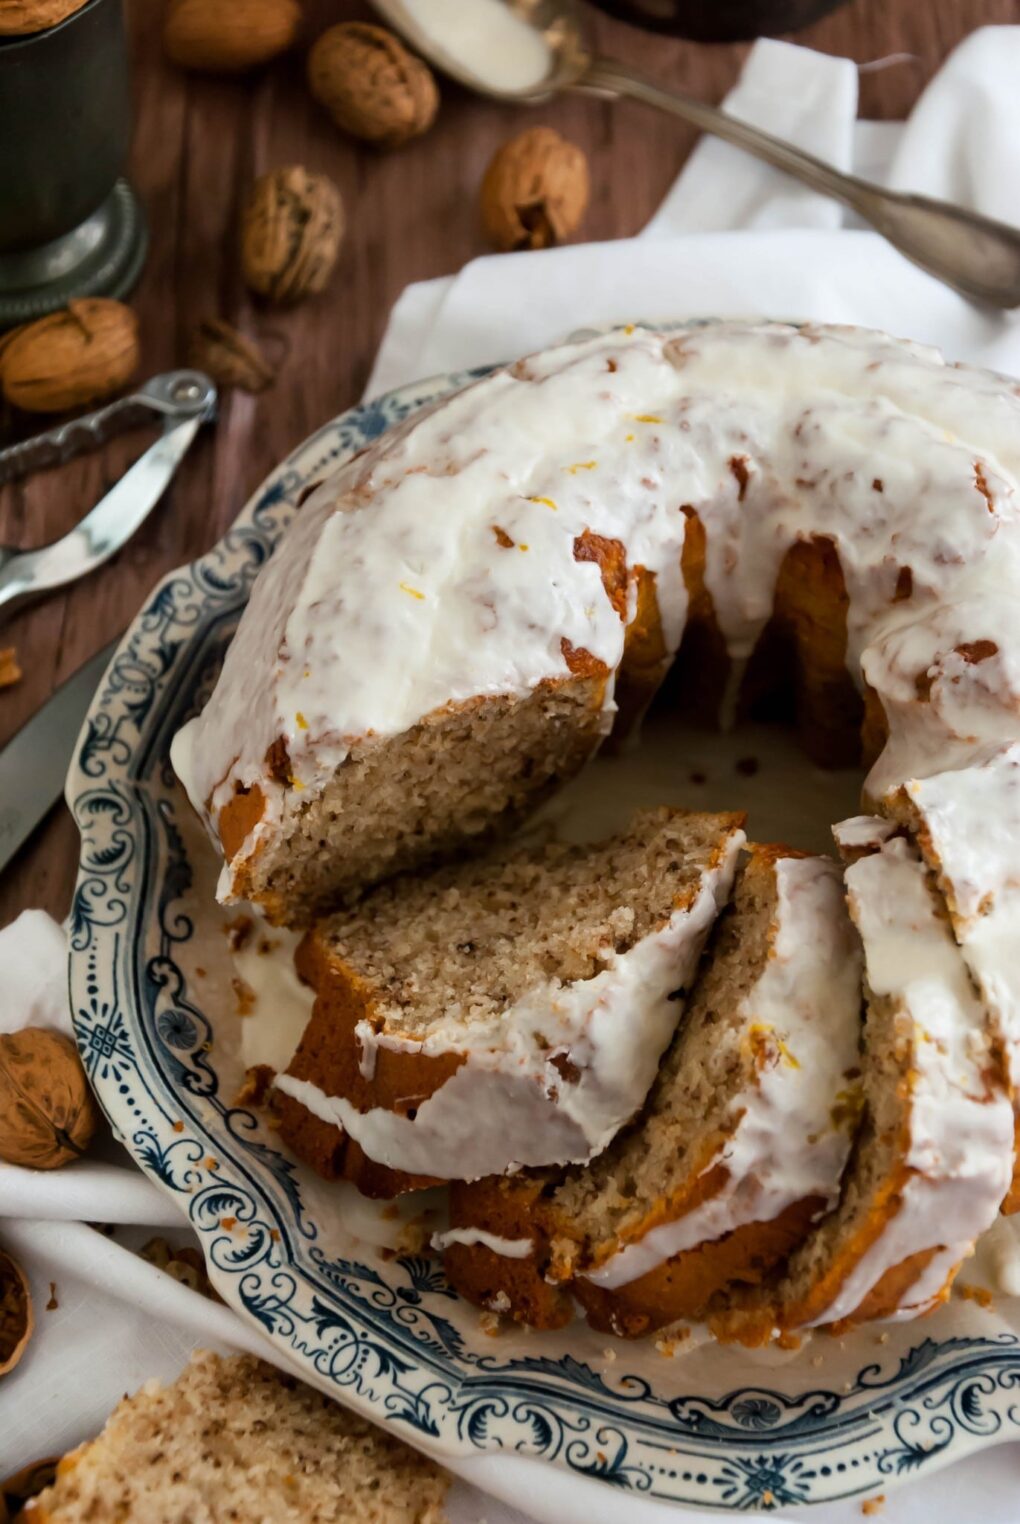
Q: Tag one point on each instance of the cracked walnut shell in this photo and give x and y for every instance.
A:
(16, 1317)
(47, 1113)
(371, 85)
(224, 353)
(290, 235)
(535, 191)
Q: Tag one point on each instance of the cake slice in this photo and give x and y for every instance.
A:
(740, 1146)
(237, 1439)
(506, 1012)
(933, 1156)
(966, 824)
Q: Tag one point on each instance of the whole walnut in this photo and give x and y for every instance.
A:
(22, 17)
(229, 36)
(47, 1114)
(371, 85)
(535, 191)
(290, 234)
(82, 354)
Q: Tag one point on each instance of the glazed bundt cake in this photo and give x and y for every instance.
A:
(503, 1012)
(739, 1148)
(809, 519)
(932, 1158)
(455, 616)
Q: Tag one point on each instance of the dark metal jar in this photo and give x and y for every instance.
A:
(720, 20)
(65, 123)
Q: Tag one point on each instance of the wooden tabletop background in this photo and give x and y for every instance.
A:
(411, 214)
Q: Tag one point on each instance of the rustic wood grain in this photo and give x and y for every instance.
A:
(411, 215)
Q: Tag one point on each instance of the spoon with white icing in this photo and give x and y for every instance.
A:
(530, 50)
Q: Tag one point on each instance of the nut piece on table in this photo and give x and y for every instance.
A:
(535, 191)
(47, 1113)
(18, 18)
(291, 231)
(82, 354)
(229, 36)
(371, 85)
(10, 671)
(228, 357)
(17, 1319)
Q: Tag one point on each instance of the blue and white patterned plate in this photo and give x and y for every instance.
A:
(713, 1427)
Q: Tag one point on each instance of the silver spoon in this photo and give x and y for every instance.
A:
(976, 255)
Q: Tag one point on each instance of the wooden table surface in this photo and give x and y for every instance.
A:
(411, 214)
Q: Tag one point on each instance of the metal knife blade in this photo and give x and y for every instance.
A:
(34, 764)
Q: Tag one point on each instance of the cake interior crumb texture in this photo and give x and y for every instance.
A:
(689, 1111)
(468, 941)
(458, 777)
(237, 1440)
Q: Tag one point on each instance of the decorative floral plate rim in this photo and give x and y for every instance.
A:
(383, 1340)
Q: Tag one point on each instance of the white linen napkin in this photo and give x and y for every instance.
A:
(732, 238)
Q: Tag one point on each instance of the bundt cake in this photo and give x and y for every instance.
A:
(932, 1159)
(505, 1011)
(808, 520)
(740, 1146)
(455, 617)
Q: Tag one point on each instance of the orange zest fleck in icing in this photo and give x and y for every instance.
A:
(300, 721)
(405, 587)
(546, 500)
(647, 418)
(582, 465)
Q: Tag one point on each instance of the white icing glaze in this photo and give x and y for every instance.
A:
(971, 836)
(961, 1128)
(281, 1004)
(509, 1105)
(367, 621)
(784, 1147)
(508, 1248)
(861, 834)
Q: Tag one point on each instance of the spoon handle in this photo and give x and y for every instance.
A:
(975, 255)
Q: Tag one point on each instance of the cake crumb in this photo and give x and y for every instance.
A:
(414, 1236)
(490, 1324)
(52, 1304)
(244, 995)
(609, 1354)
(979, 1294)
(238, 932)
(873, 1505)
(255, 1086)
(668, 1344)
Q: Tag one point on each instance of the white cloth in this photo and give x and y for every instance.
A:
(732, 239)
